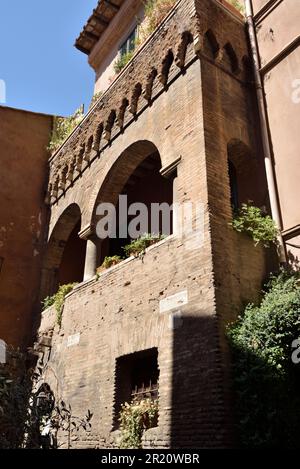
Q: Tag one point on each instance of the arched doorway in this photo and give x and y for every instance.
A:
(65, 253)
(137, 178)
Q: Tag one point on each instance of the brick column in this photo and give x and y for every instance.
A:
(91, 252)
(170, 172)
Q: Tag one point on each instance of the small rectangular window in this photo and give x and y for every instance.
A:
(130, 43)
(136, 378)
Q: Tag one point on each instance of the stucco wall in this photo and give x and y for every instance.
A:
(279, 49)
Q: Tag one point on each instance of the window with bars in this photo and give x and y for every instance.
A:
(137, 378)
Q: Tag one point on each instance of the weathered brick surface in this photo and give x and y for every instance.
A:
(195, 118)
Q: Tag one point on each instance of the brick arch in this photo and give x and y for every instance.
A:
(66, 228)
(211, 46)
(120, 172)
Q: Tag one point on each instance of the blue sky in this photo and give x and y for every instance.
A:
(42, 70)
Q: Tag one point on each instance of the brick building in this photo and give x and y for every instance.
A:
(178, 123)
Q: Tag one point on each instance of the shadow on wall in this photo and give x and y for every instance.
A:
(200, 411)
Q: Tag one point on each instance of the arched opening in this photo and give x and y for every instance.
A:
(234, 195)
(137, 190)
(244, 174)
(230, 58)
(211, 46)
(65, 254)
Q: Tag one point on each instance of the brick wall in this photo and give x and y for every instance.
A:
(203, 108)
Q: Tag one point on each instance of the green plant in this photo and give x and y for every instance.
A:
(58, 300)
(155, 11)
(26, 422)
(138, 246)
(62, 128)
(266, 382)
(47, 302)
(135, 418)
(122, 61)
(109, 262)
(95, 98)
(63, 291)
(237, 4)
(261, 228)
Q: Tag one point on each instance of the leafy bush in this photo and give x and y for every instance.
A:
(109, 262)
(62, 128)
(135, 418)
(58, 300)
(261, 228)
(122, 61)
(139, 245)
(267, 383)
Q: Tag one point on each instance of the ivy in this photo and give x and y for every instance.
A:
(63, 127)
(58, 300)
(251, 220)
(266, 382)
(135, 418)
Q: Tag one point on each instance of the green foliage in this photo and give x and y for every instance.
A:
(62, 128)
(14, 393)
(237, 4)
(22, 417)
(110, 261)
(261, 228)
(95, 98)
(138, 246)
(155, 11)
(267, 383)
(58, 300)
(135, 418)
(122, 61)
(47, 302)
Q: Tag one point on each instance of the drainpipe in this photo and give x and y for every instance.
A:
(270, 173)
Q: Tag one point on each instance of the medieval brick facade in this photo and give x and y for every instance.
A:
(173, 126)
(173, 100)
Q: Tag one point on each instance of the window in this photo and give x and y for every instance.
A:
(129, 45)
(136, 378)
(233, 186)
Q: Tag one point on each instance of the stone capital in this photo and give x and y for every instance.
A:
(87, 232)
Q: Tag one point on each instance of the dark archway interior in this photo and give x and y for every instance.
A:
(145, 185)
(243, 170)
(71, 268)
(65, 255)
